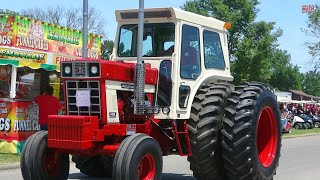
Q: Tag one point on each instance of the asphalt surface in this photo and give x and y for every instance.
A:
(300, 160)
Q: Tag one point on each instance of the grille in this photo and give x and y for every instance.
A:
(94, 87)
(80, 69)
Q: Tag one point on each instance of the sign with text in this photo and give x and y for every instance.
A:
(18, 120)
(308, 8)
(26, 33)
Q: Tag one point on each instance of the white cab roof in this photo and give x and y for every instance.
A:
(169, 14)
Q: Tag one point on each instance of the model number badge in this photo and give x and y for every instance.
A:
(131, 129)
(112, 114)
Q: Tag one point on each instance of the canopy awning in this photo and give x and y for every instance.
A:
(32, 65)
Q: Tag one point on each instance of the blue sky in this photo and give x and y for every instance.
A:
(286, 13)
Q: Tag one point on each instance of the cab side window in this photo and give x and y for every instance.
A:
(190, 53)
(213, 54)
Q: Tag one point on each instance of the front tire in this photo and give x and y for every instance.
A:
(251, 135)
(41, 162)
(204, 128)
(138, 157)
(316, 124)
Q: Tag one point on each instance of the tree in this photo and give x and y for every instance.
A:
(284, 76)
(254, 53)
(313, 30)
(71, 17)
(106, 49)
(240, 13)
(311, 83)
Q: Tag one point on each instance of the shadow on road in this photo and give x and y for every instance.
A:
(165, 176)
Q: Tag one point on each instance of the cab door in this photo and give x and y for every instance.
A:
(189, 67)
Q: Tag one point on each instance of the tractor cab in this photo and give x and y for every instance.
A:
(187, 49)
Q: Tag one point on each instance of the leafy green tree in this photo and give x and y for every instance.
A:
(311, 83)
(106, 49)
(284, 76)
(254, 53)
(313, 30)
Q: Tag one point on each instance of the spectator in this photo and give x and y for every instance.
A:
(48, 105)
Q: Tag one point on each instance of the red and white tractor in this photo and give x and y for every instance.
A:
(123, 116)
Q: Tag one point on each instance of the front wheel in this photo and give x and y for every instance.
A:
(298, 126)
(41, 162)
(138, 157)
(251, 134)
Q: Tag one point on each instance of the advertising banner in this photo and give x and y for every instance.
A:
(57, 42)
(18, 120)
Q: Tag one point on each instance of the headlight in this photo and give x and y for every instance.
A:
(166, 110)
(67, 69)
(94, 69)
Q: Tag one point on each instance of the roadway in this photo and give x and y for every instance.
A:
(299, 160)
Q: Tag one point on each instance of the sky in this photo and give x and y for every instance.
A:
(286, 13)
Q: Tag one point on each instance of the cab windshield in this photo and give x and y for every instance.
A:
(158, 40)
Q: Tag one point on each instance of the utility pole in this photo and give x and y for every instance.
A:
(85, 29)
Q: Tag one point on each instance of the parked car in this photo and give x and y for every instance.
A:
(315, 119)
(308, 121)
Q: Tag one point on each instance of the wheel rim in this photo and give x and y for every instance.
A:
(267, 137)
(52, 162)
(147, 168)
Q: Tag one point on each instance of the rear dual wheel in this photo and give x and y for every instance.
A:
(251, 134)
(138, 157)
(204, 128)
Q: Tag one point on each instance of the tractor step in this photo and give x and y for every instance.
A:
(182, 138)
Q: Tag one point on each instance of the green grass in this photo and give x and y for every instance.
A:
(296, 132)
(9, 158)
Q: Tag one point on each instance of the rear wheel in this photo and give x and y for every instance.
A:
(97, 166)
(251, 135)
(204, 128)
(317, 124)
(138, 157)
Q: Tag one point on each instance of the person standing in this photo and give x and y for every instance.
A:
(48, 105)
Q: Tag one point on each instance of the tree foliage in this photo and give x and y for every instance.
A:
(313, 30)
(69, 17)
(285, 76)
(254, 53)
(106, 49)
(311, 83)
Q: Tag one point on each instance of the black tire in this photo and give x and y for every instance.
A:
(130, 154)
(96, 166)
(251, 132)
(39, 159)
(24, 159)
(204, 128)
(316, 124)
(298, 126)
(306, 125)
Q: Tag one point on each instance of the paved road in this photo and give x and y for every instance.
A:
(299, 161)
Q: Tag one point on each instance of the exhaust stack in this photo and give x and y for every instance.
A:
(139, 96)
